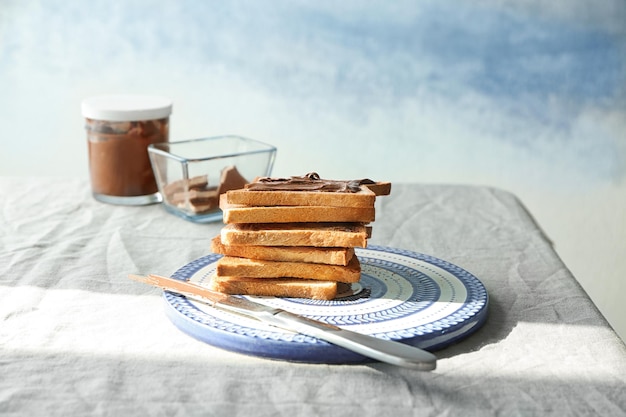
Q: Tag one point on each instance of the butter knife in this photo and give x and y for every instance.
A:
(388, 351)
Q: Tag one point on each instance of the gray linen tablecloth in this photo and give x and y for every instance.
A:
(77, 337)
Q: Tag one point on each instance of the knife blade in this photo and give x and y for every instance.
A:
(388, 351)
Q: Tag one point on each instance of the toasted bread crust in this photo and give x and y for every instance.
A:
(294, 214)
(295, 234)
(229, 266)
(380, 188)
(277, 287)
(364, 198)
(331, 256)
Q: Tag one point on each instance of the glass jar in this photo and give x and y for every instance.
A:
(119, 130)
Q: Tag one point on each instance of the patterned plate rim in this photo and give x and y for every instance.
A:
(283, 345)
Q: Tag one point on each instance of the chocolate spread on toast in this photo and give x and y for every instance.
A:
(308, 182)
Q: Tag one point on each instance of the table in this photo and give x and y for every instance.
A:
(77, 337)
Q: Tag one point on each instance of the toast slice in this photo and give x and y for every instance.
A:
(331, 256)
(307, 190)
(230, 266)
(237, 213)
(363, 198)
(379, 188)
(295, 234)
(277, 287)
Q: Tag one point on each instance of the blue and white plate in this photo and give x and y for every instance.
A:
(406, 296)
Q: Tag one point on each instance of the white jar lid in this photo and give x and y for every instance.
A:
(126, 108)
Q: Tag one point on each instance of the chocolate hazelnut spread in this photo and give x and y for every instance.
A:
(118, 156)
(119, 129)
(308, 182)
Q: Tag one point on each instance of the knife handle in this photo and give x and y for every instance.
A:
(388, 351)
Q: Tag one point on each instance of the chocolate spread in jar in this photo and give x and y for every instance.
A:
(118, 156)
(308, 182)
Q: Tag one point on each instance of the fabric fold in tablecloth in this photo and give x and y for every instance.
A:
(77, 337)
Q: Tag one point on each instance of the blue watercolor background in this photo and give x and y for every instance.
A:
(445, 89)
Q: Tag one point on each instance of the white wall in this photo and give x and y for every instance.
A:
(526, 96)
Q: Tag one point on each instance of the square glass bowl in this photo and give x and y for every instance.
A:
(192, 174)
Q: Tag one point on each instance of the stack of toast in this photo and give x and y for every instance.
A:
(294, 237)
